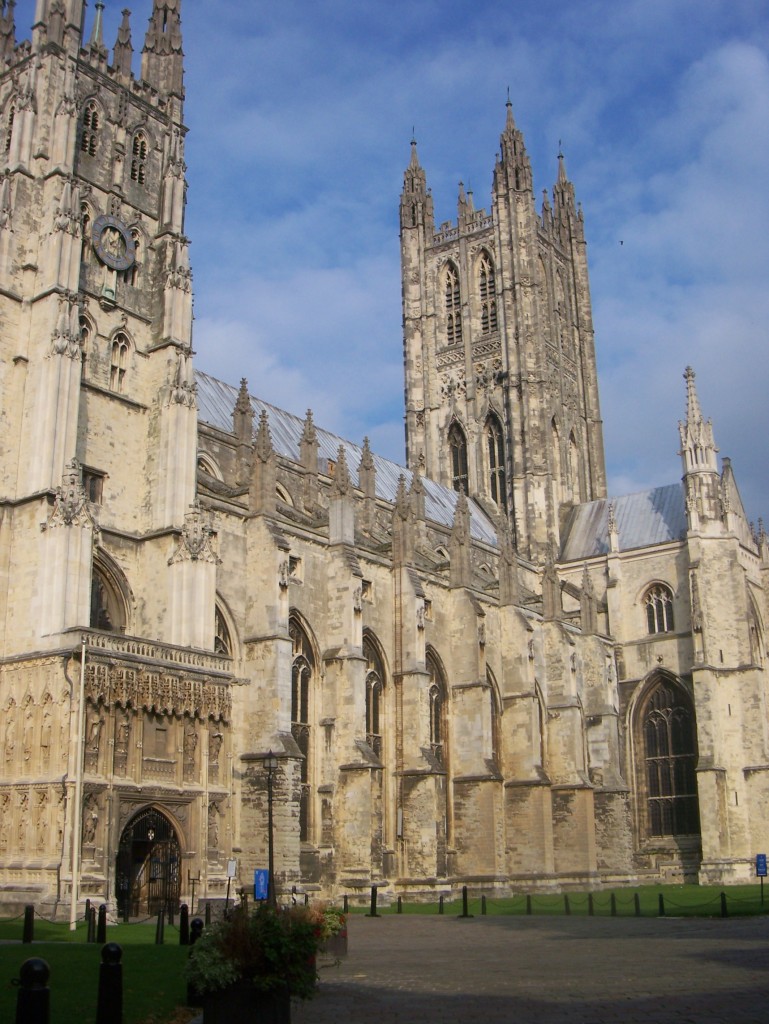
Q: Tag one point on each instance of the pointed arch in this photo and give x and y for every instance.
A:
(458, 454)
(111, 598)
(139, 157)
(657, 602)
(437, 694)
(224, 630)
(375, 692)
(91, 121)
(555, 445)
(487, 292)
(304, 673)
(120, 350)
(495, 711)
(575, 477)
(755, 632)
(495, 460)
(664, 734)
(452, 302)
(8, 119)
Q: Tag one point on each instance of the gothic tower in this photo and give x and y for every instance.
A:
(500, 374)
(95, 289)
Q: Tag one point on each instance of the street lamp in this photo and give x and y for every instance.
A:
(270, 766)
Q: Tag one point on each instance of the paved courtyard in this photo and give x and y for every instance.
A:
(529, 970)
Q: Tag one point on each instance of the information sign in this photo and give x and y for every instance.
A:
(261, 884)
(761, 865)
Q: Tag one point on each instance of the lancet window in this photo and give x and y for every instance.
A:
(453, 305)
(222, 638)
(118, 363)
(374, 695)
(139, 159)
(437, 704)
(659, 609)
(488, 294)
(495, 448)
(89, 139)
(9, 127)
(302, 679)
(458, 452)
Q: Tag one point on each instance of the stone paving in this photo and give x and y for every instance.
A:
(547, 970)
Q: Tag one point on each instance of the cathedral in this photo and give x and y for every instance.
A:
(473, 669)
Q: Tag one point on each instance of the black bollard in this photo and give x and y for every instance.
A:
(566, 904)
(613, 905)
(91, 924)
(29, 923)
(345, 904)
(87, 910)
(184, 925)
(160, 928)
(483, 906)
(208, 913)
(724, 910)
(109, 1005)
(637, 904)
(528, 904)
(590, 907)
(661, 905)
(372, 912)
(101, 925)
(196, 929)
(440, 904)
(34, 998)
(400, 904)
(464, 903)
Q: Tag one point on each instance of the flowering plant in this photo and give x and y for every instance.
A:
(270, 948)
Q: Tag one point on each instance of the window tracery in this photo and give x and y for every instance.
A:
(488, 294)
(119, 363)
(374, 695)
(139, 150)
(222, 638)
(453, 305)
(495, 448)
(437, 705)
(670, 760)
(659, 609)
(302, 680)
(9, 127)
(107, 606)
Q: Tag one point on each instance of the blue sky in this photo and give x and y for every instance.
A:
(300, 118)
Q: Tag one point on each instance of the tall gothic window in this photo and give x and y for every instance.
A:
(453, 305)
(89, 139)
(495, 447)
(458, 451)
(222, 638)
(139, 159)
(302, 678)
(488, 294)
(437, 702)
(670, 755)
(576, 489)
(107, 605)
(659, 609)
(118, 363)
(374, 696)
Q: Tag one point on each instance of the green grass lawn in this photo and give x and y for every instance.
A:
(153, 976)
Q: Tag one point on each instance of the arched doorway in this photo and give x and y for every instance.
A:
(148, 865)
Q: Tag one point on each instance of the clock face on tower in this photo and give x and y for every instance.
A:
(113, 243)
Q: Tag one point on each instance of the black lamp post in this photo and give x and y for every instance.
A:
(270, 766)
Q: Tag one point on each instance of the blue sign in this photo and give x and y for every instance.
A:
(261, 884)
(761, 865)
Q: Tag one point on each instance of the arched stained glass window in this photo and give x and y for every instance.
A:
(374, 696)
(670, 754)
(488, 294)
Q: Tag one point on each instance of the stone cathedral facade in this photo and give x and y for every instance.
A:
(473, 669)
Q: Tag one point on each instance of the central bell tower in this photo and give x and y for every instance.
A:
(499, 356)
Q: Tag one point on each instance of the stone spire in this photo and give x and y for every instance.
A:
(123, 52)
(513, 169)
(264, 471)
(565, 208)
(308, 456)
(416, 201)
(162, 56)
(96, 43)
(459, 544)
(403, 532)
(588, 604)
(700, 459)
(7, 31)
(243, 428)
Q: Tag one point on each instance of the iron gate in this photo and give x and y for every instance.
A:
(148, 865)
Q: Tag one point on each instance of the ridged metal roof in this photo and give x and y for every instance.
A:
(643, 519)
(216, 401)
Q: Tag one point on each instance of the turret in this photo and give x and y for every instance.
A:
(7, 30)
(513, 169)
(162, 56)
(416, 201)
(700, 460)
(123, 52)
(59, 22)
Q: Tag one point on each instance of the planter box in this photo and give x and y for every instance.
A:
(335, 945)
(241, 1003)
